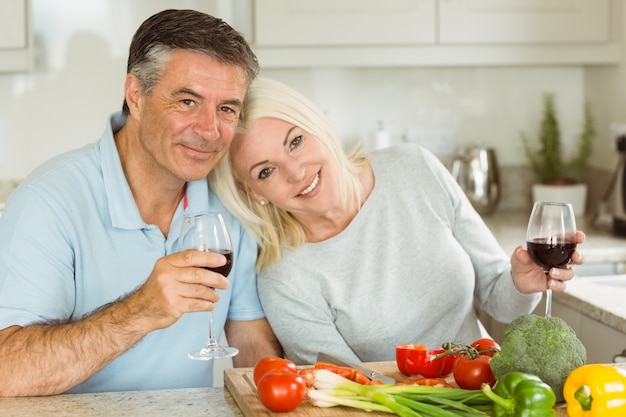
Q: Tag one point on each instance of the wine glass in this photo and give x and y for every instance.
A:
(207, 231)
(551, 238)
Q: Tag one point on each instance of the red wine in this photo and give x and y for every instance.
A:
(224, 269)
(549, 255)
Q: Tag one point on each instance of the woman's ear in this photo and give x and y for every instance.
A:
(257, 198)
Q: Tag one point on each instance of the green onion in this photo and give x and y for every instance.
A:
(329, 389)
(321, 398)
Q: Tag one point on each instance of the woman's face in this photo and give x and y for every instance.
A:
(286, 166)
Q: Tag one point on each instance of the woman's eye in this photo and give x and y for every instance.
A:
(295, 142)
(265, 172)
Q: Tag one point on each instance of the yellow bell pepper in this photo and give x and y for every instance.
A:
(596, 390)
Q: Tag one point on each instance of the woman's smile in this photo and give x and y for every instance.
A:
(311, 187)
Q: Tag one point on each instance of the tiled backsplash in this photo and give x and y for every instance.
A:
(515, 187)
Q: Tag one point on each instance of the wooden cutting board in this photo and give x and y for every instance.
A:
(239, 383)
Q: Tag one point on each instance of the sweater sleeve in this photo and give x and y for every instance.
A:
(494, 290)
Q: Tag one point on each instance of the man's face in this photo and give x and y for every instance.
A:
(188, 120)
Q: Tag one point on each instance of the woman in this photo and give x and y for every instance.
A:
(359, 254)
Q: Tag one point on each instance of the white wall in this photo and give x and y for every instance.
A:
(487, 105)
(81, 56)
(81, 61)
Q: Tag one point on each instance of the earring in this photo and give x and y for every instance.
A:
(263, 202)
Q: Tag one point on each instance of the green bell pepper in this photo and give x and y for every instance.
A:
(518, 394)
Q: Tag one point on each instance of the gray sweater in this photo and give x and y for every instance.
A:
(406, 270)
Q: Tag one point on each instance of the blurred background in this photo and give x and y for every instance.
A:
(445, 73)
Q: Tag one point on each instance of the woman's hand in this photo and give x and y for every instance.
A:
(529, 277)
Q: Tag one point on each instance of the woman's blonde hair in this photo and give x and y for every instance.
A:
(275, 229)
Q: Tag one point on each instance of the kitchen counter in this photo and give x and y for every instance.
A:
(194, 402)
(599, 297)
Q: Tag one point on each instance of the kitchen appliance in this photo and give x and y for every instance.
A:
(611, 211)
(618, 192)
(475, 169)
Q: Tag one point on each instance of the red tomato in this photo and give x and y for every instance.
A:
(485, 346)
(471, 373)
(281, 390)
(270, 363)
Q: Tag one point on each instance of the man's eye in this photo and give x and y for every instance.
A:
(265, 172)
(295, 142)
(230, 112)
(188, 102)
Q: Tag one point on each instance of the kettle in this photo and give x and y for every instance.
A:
(475, 169)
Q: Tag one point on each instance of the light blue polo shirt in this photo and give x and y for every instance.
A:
(72, 240)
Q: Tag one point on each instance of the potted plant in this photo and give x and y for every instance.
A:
(559, 179)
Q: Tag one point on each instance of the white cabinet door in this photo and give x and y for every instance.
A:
(344, 22)
(601, 341)
(372, 33)
(523, 21)
(12, 24)
(15, 38)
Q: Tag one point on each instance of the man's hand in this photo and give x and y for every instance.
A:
(178, 284)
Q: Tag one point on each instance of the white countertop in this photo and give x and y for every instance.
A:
(192, 402)
(600, 297)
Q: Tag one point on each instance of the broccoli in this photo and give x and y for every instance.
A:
(543, 346)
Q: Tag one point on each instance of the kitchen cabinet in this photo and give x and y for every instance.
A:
(602, 342)
(16, 41)
(435, 32)
(524, 21)
(346, 22)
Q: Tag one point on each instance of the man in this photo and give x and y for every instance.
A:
(94, 292)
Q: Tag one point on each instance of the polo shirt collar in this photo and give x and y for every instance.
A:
(122, 208)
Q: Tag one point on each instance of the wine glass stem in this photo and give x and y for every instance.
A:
(211, 342)
(549, 302)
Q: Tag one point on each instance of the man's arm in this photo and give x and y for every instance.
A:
(254, 339)
(47, 359)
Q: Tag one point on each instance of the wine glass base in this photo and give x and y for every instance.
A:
(213, 352)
